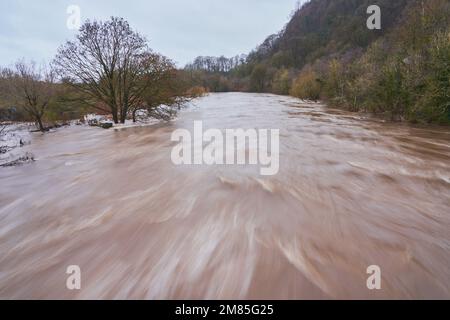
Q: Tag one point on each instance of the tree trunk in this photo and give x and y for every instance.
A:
(40, 125)
(123, 117)
(115, 117)
(123, 113)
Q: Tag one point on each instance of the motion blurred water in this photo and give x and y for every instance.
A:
(351, 192)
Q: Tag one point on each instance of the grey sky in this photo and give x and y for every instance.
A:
(179, 29)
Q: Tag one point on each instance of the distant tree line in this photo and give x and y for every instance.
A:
(216, 64)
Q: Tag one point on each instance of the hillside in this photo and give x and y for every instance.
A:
(324, 27)
(327, 52)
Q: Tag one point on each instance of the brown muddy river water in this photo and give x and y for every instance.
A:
(351, 192)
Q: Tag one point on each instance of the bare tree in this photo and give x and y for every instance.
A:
(216, 64)
(111, 64)
(166, 92)
(3, 82)
(32, 87)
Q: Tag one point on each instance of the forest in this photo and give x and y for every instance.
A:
(326, 51)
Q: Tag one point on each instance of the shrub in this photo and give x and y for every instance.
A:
(196, 92)
(306, 86)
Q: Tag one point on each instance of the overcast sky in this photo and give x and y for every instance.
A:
(179, 29)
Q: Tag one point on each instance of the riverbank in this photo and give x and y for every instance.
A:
(382, 116)
(15, 136)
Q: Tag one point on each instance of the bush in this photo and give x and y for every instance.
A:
(306, 86)
(282, 82)
(196, 92)
(434, 106)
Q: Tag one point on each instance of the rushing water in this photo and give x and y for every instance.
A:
(351, 192)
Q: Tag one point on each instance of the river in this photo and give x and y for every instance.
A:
(351, 192)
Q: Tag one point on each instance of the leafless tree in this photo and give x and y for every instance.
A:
(216, 64)
(110, 64)
(32, 87)
(3, 82)
(166, 92)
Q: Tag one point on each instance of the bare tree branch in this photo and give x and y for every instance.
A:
(32, 87)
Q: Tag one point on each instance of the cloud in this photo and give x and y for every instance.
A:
(180, 29)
